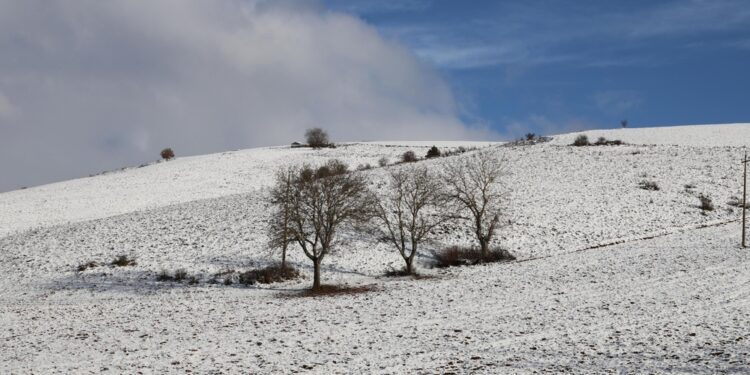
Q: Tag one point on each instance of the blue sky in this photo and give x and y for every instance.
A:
(548, 66)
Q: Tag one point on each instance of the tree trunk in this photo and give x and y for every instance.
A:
(283, 256)
(483, 245)
(316, 277)
(408, 265)
(410, 259)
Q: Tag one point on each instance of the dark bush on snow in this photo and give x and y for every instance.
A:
(454, 256)
(87, 265)
(123, 261)
(706, 203)
(408, 157)
(648, 185)
(178, 275)
(581, 140)
(268, 275)
(433, 152)
(383, 161)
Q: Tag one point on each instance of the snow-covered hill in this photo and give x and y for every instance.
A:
(671, 297)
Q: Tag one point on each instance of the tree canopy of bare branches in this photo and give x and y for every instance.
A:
(322, 202)
(279, 232)
(474, 185)
(410, 210)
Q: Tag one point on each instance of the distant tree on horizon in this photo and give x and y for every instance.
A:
(167, 154)
(316, 138)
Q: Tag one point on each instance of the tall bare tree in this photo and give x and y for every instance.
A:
(474, 185)
(279, 233)
(410, 210)
(322, 202)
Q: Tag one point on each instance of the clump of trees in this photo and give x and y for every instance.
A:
(312, 205)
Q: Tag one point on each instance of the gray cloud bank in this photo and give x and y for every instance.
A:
(90, 85)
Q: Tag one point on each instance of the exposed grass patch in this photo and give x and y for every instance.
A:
(737, 202)
(84, 266)
(455, 256)
(334, 290)
(123, 261)
(648, 185)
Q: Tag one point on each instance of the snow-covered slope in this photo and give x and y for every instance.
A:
(183, 179)
(737, 135)
(672, 296)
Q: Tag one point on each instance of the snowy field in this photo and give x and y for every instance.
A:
(611, 278)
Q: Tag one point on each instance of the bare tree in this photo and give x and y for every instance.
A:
(323, 201)
(473, 185)
(316, 137)
(279, 232)
(410, 210)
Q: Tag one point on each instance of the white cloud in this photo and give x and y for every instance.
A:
(110, 83)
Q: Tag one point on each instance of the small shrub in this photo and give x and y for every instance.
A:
(408, 157)
(581, 140)
(737, 202)
(433, 152)
(364, 167)
(705, 203)
(193, 280)
(268, 275)
(530, 136)
(648, 185)
(87, 265)
(123, 261)
(454, 256)
(228, 280)
(167, 154)
(383, 161)
(601, 141)
(180, 274)
(689, 187)
(164, 276)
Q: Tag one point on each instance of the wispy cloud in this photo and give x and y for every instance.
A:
(589, 33)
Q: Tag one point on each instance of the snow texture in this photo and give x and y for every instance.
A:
(611, 278)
